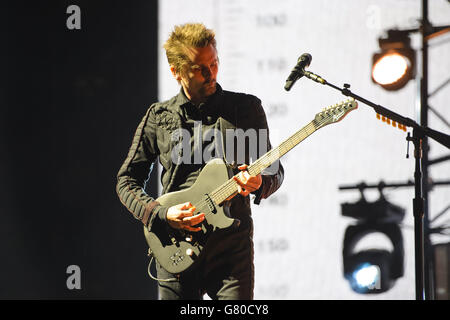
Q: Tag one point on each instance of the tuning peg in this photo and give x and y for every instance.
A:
(378, 116)
(394, 124)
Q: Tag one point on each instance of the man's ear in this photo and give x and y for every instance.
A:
(175, 73)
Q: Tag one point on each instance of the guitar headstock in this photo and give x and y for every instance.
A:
(334, 113)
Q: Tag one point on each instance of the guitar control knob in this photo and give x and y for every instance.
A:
(189, 252)
(189, 238)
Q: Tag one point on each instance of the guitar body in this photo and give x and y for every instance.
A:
(176, 250)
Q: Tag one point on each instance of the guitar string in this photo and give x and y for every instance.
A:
(223, 192)
(230, 186)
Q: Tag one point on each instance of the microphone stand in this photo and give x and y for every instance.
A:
(419, 134)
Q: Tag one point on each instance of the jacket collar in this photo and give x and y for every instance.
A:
(181, 98)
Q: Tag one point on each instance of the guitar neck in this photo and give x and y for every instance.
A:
(229, 187)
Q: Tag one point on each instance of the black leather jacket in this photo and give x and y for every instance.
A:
(154, 138)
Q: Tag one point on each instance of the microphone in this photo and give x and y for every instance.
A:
(297, 72)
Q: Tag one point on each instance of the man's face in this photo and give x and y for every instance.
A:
(199, 76)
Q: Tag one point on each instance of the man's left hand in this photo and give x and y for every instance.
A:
(247, 183)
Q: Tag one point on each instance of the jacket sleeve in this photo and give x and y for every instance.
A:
(135, 171)
(271, 179)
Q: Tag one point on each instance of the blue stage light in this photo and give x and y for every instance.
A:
(367, 277)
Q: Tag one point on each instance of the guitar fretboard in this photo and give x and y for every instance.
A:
(228, 188)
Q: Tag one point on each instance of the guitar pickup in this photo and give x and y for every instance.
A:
(210, 204)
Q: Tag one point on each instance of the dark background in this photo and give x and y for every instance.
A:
(70, 102)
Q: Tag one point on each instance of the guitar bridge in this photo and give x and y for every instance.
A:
(210, 204)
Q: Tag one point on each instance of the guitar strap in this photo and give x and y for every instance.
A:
(224, 125)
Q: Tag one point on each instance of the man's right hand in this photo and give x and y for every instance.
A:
(181, 216)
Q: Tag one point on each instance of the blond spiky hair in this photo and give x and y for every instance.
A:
(186, 36)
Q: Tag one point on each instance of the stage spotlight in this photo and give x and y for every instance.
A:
(390, 68)
(373, 270)
(395, 65)
(367, 275)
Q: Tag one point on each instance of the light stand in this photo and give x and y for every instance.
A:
(419, 139)
(419, 133)
(424, 266)
(382, 185)
(423, 263)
